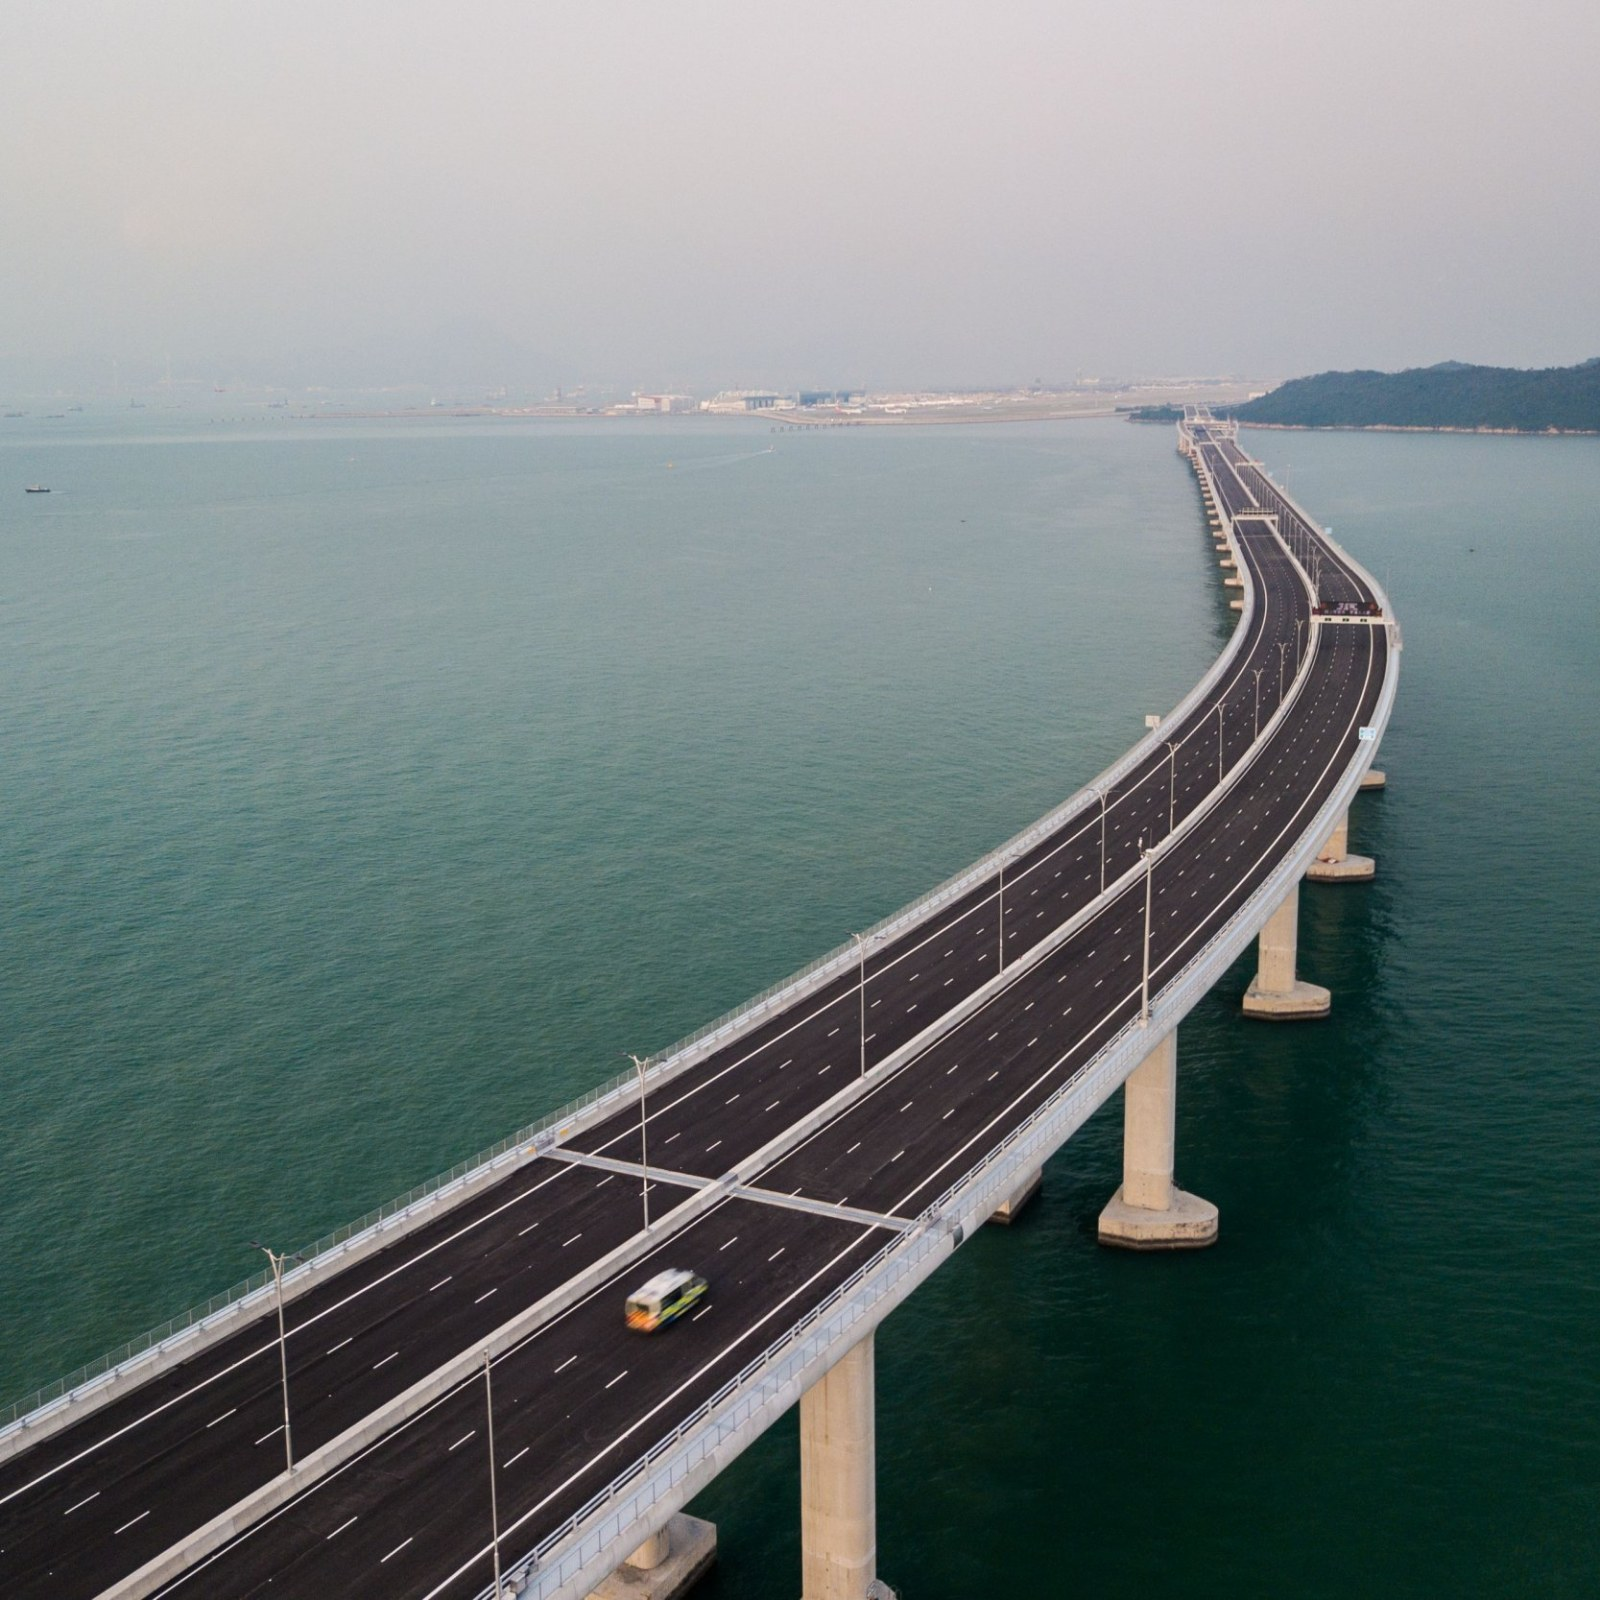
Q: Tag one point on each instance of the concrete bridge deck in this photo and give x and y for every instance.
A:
(846, 1140)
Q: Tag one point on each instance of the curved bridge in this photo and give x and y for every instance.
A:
(461, 1403)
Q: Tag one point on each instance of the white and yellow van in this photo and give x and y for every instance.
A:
(664, 1299)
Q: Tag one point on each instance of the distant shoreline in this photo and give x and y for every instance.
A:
(1418, 427)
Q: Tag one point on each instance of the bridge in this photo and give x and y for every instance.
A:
(444, 1401)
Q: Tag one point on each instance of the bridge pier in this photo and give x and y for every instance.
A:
(838, 1482)
(1373, 779)
(1149, 1211)
(1006, 1212)
(1335, 864)
(1275, 993)
(668, 1564)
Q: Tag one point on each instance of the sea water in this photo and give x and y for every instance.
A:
(371, 786)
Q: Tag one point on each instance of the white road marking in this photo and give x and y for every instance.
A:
(397, 1549)
(340, 1529)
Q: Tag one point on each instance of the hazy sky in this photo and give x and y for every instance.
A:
(800, 192)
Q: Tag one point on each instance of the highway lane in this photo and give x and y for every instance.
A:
(904, 1141)
(574, 1404)
(184, 1447)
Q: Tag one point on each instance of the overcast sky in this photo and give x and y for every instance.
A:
(761, 192)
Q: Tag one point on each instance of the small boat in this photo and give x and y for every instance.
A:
(37, 488)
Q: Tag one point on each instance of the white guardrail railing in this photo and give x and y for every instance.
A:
(59, 1404)
(568, 1561)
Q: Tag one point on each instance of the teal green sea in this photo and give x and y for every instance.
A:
(369, 788)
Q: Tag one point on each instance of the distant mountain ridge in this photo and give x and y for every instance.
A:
(1452, 394)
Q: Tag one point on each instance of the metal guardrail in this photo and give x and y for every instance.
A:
(230, 1308)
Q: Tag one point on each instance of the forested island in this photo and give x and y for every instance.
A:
(1449, 395)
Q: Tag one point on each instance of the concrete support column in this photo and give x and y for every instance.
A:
(1275, 993)
(1335, 864)
(668, 1564)
(1373, 779)
(1006, 1212)
(838, 1482)
(1149, 1211)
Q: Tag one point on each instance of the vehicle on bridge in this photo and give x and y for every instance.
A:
(664, 1298)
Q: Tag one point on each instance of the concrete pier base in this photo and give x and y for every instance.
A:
(1375, 779)
(1233, 583)
(1335, 864)
(1149, 1211)
(1006, 1212)
(1275, 993)
(1236, 605)
(1188, 1223)
(839, 1482)
(666, 1565)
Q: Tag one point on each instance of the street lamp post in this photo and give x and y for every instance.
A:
(494, 1503)
(1102, 795)
(1144, 988)
(278, 1261)
(644, 1141)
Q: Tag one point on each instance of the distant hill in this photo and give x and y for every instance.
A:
(1450, 395)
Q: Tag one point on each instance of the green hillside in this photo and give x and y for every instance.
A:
(1450, 395)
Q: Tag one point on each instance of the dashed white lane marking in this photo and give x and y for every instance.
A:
(574, 1239)
(532, 1225)
(618, 1379)
(264, 1437)
(392, 1356)
(516, 1458)
(223, 1418)
(126, 1525)
(341, 1344)
(485, 1295)
(853, 1148)
(722, 1247)
(343, 1525)
(70, 1509)
(462, 1440)
(567, 1363)
(441, 1283)
(776, 1253)
(397, 1549)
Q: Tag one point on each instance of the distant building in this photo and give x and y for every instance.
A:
(745, 400)
(828, 397)
(664, 402)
